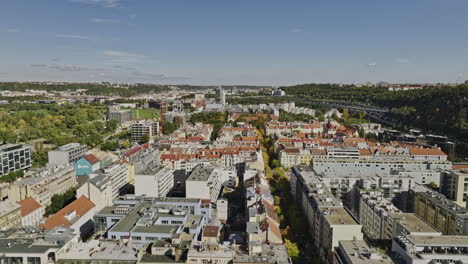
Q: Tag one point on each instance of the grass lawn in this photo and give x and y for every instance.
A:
(145, 113)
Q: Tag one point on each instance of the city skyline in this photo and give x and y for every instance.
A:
(253, 43)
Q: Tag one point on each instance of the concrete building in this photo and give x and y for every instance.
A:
(31, 212)
(103, 252)
(143, 127)
(121, 115)
(105, 184)
(38, 247)
(14, 157)
(373, 214)
(455, 186)
(380, 219)
(98, 190)
(43, 185)
(204, 182)
(358, 252)
(430, 249)
(10, 215)
(329, 221)
(154, 181)
(151, 220)
(66, 154)
(422, 171)
(441, 213)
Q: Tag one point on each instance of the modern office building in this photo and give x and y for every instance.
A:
(14, 157)
(114, 112)
(67, 154)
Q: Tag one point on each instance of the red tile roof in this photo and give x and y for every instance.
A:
(211, 231)
(81, 206)
(460, 166)
(426, 152)
(91, 158)
(28, 206)
(365, 152)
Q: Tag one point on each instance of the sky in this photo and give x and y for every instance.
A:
(216, 42)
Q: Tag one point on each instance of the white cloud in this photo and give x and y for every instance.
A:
(297, 30)
(12, 30)
(123, 56)
(104, 20)
(71, 36)
(103, 3)
(372, 64)
(70, 68)
(402, 60)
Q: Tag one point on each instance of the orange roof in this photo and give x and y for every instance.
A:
(318, 152)
(211, 231)
(28, 206)
(426, 152)
(81, 206)
(365, 152)
(460, 166)
(91, 158)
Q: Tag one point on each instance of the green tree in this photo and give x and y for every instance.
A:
(59, 201)
(145, 138)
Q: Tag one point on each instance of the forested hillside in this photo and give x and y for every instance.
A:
(437, 109)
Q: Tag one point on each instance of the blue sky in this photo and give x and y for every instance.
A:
(260, 42)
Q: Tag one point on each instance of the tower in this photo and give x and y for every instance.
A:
(222, 95)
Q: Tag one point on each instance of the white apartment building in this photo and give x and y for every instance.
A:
(66, 154)
(430, 249)
(143, 127)
(363, 167)
(43, 185)
(117, 172)
(154, 181)
(204, 182)
(329, 221)
(14, 157)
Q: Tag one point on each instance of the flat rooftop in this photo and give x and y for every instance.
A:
(448, 241)
(10, 147)
(413, 223)
(7, 207)
(128, 222)
(69, 146)
(160, 229)
(200, 173)
(338, 216)
(98, 250)
(358, 252)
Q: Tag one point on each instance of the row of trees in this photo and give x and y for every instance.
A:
(293, 222)
(91, 88)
